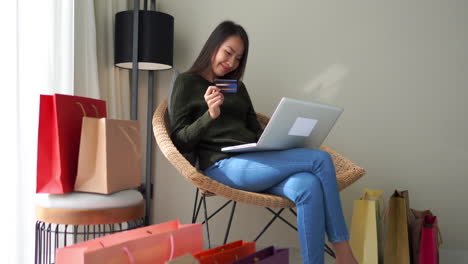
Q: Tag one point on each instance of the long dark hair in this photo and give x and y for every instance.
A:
(223, 31)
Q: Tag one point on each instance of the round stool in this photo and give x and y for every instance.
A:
(65, 219)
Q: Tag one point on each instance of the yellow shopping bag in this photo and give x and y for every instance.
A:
(396, 237)
(367, 228)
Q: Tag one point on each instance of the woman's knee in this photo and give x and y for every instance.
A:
(315, 153)
(307, 186)
(323, 155)
(317, 156)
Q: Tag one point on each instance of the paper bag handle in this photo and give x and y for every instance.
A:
(129, 138)
(84, 111)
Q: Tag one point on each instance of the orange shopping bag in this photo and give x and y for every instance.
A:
(152, 244)
(58, 141)
(226, 253)
(110, 155)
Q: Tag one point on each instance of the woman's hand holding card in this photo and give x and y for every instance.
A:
(214, 99)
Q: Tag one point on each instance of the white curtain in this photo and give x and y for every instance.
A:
(86, 73)
(38, 51)
(9, 133)
(95, 73)
(39, 48)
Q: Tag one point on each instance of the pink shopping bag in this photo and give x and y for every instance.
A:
(151, 244)
(60, 118)
(428, 251)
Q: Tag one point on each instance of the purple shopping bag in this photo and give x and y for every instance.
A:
(269, 255)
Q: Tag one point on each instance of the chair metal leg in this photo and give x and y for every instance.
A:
(284, 220)
(293, 212)
(195, 205)
(269, 224)
(329, 251)
(219, 209)
(206, 221)
(198, 210)
(230, 221)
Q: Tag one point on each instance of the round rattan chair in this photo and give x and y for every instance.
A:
(347, 173)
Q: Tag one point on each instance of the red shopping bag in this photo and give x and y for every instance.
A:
(226, 253)
(152, 244)
(428, 251)
(269, 255)
(414, 229)
(60, 118)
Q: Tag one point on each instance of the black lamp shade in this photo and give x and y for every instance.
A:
(155, 40)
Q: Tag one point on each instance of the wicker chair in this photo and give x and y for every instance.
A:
(347, 173)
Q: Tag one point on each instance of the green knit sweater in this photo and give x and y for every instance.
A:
(193, 130)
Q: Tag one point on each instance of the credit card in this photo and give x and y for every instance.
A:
(226, 85)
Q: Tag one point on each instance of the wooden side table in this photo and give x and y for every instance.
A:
(65, 219)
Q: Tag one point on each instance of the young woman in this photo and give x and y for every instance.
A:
(204, 120)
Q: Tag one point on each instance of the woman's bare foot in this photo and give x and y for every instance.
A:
(343, 253)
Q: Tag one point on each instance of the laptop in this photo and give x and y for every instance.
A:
(294, 124)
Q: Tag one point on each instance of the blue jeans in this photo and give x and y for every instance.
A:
(305, 176)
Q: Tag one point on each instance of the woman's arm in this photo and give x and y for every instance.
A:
(252, 121)
(186, 128)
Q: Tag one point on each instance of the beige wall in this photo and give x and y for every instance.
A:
(400, 70)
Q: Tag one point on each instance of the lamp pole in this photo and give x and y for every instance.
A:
(153, 32)
(149, 137)
(134, 108)
(134, 96)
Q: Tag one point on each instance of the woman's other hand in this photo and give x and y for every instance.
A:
(214, 99)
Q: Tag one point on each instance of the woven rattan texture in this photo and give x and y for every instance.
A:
(347, 172)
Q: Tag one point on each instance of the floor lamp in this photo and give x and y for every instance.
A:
(144, 41)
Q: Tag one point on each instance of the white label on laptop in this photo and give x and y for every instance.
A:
(302, 127)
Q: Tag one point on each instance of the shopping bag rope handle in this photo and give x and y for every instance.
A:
(126, 251)
(439, 238)
(129, 255)
(171, 238)
(132, 259)
(84, 111)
